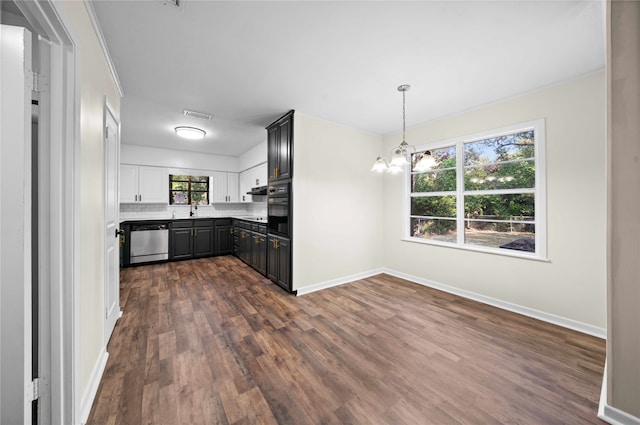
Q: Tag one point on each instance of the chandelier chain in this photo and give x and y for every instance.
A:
(404, 116)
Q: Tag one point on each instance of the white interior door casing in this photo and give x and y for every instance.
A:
(112, 223)
(15, 226)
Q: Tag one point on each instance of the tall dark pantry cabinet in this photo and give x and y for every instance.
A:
(279, 202)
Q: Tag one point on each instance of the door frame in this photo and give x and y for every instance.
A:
(59, 215)
(16, 222)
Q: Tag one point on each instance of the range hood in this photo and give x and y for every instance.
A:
(259, 190)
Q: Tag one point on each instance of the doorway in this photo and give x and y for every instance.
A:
(38, 249)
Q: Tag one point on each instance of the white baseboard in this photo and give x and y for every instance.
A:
(516, 308)
(611, 414)
(336, 282)
(615, 416)
(92, 388)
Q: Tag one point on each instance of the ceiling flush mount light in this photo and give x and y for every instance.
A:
(402, 154)
(192, 133)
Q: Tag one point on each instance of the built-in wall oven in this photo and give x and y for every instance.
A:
(278, 209)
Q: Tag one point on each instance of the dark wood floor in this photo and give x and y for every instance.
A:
(212, 342)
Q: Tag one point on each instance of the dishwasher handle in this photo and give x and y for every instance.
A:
(142, 227)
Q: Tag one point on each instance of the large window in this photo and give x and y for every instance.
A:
(183, 190)
(486, 192)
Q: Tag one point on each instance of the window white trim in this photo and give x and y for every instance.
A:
(540, 221)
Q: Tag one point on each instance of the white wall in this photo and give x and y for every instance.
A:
(337, 202)
(572, 284)
(143, 155)
(254, 156)
(95, 82)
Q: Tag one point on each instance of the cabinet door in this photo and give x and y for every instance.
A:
(259, 175)
(153, 184)
(203, 242)
(272, 151)
(284, 148)
(219, 187)
(232, 187)
(272, 258)
(128, 183)
(223, 240)
(181, 244)
(284, 263)
(245, 246)
(245, 186)
(261, 254)
(256, 250)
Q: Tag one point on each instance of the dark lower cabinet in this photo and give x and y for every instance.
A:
(180, 242)
(244, 252)
(259, 252)
(191, 239)
(203, 240)
(250, 244)
(223, 237)
(279, 261)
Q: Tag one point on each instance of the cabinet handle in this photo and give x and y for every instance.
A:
(140, 197)
(135, 197)
(275, 172)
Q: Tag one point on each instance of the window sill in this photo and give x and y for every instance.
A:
(484, 250)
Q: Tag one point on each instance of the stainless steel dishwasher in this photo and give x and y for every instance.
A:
(149, 242)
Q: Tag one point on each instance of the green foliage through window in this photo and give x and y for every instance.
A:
(183, 190)
(495, 183)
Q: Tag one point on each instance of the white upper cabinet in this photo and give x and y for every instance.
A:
(253, 177)
(259, 175)
(224, 187)
(146, 185)
(245, 186)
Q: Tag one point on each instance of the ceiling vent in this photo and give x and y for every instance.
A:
(176, 3)
(194, 114)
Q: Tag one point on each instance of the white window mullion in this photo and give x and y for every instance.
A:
(460, 191)
(495, 238)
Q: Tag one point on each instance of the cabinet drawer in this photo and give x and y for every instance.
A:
(223, 222)
(254, 227)
(262, 228)
(203, 223)
(181, 224)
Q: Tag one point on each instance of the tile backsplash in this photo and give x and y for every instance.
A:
(151, 211)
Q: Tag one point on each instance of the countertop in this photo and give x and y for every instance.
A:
(252, 219)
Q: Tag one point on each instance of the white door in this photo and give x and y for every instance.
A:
(111, 214)
(15, 225)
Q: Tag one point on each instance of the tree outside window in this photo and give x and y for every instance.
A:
(482, 192)
(184, 190)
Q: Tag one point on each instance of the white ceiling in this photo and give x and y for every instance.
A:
(249, 62)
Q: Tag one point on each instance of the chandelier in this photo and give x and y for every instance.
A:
(401, 155)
